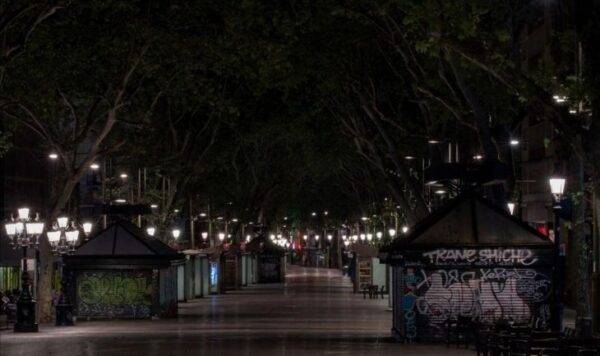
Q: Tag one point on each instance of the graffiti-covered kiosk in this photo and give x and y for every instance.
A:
(121, 273)
(469, 259)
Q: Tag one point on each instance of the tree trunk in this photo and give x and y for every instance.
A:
(582, 248)
(44, 296)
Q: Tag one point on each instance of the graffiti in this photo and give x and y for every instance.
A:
(485, 294)
(110, 294)
(482, 257)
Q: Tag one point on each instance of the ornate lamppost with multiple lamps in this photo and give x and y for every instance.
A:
(63, 238)
(24, 232)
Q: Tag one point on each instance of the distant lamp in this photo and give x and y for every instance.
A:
(325, 213)
(53, 156)
(313, 214)
(362, 237)
(369, 237)
(379, 235)
(440, 192)
(364, 218)
(11, 229)
(329, 237)
(87, 227)
(34, 228)
(53, 238)
(123, 175)
(204, 235)
(317, 237)
(514, 142)
(404, 229)
(120, 201)
(62, 222)
(221, 236)
(94, 166)
(248, 237)
(154, 206)
(557, 186)
(72, 237)
(176, 233)
(478, 157)
(392, 232)
(346, 243)
(305, 237)
(23, 214)
(151, 230)
(344, 237)
(511, 207)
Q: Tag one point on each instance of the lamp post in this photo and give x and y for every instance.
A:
(557, 187)
(63, 238)
(24, 232)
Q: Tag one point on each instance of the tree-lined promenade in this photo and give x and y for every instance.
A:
(298, 116)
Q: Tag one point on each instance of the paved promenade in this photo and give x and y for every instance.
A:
(314, 313)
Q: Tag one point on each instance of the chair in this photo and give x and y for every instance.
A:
(457, 330)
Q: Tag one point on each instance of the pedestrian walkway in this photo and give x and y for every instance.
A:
(314, 313)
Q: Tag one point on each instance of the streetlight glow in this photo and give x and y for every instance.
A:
(62, 222)
(23, 213)
(176, 233)
(87, 227)
(557, 186)
(511, 207)
(404, 229)
(204, 235)
(392, 232)
(150, 230)
(53, 156)
(94, 166)
(514, 142)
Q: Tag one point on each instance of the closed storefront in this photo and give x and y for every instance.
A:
(120, 273)
(469, 260)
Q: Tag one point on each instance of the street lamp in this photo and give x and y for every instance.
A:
(222, 236)
(176, 233)
(204, 235)
(379, 235)
(150, 230)
(329, 237)
(24, 232)
(405, 229)
(511, 207)
(557, 188)
(392, 232)
(63, 238)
